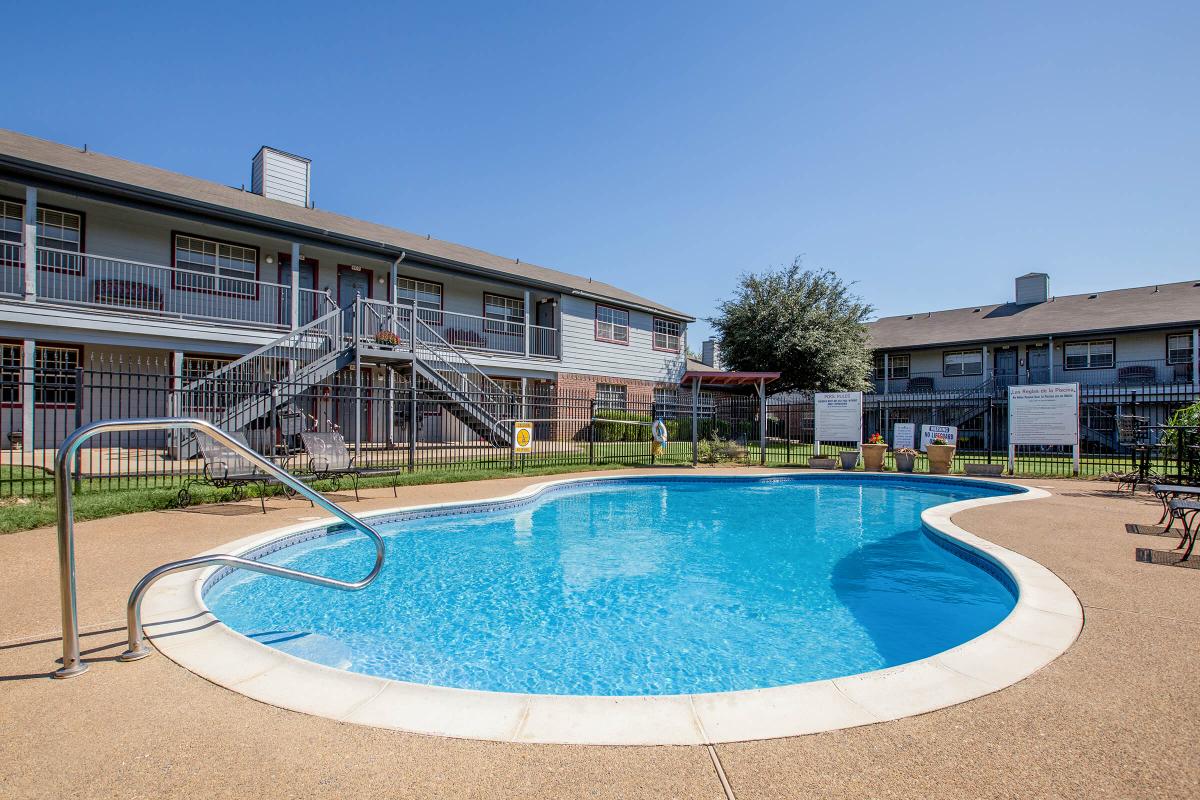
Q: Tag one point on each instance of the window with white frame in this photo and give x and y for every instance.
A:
(1099, 354)
(610, 396)
(962, 362)
(666, 402)
(897, 365)
(196, 367)
(59, 236)
(11, 358)
(612, 324)
(668, 334)
(1179, 348)
(54, 376)
(503, 314)
(422, 294)
(214, 266)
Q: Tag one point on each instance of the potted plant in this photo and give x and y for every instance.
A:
(941, 454)
(906, 459)
(16, 439)
(387, 338)
(849, 459)
(873, 450)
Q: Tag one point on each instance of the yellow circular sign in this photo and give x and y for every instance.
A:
(523, 437)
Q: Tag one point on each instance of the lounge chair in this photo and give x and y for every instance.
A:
(329, 458)
(225, 468)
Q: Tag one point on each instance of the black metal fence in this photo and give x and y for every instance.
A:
(391, 426)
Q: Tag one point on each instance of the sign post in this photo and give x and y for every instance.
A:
(522, 437)
(838, 418)
(1046, 414)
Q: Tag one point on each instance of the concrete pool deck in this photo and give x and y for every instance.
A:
(1116, 715)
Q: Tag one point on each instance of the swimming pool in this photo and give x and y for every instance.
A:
(642, 586)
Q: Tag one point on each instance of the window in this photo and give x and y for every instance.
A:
(56, 231)
(423, 294)
(667, 334)
(54, 375)
(503, 314)
(1179, 348)
(897, 366)
(197, 367)
(962, 362)
(666, 402)
(610, 396)
(510, 385)
(10, 374)
(612, 325)
(214, 266)
(1089, 355)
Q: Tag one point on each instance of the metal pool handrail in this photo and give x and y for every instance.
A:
(72, 664)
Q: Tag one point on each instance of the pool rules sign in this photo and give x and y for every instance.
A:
(838, 418)
(1044, 415)
(523, 437)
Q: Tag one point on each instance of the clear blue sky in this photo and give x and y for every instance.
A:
(930, 152)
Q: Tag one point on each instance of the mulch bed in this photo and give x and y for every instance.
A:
(1166, 558)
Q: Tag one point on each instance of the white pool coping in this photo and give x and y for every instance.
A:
(1045, 621)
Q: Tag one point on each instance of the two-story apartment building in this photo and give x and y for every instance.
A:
(100, 256)
(1124, 347)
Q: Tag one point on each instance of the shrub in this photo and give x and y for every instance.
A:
(617, 431)
(716, 450)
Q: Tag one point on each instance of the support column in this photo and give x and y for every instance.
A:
(28, 351)
(357, 379)
(886, 376)
(1196, 359)
(524, 398)
(30, 247)
(695, 419)
(391, 407)
(762, 421)
(412, 418)
(295, 276)
(1050, 360)
(175, 403)
(528, 330)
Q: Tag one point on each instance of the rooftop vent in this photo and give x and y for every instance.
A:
(281, 176)
(1033, 288)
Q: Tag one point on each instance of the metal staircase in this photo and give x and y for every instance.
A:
(249, 388)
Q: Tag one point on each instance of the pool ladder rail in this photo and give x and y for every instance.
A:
(72, 664)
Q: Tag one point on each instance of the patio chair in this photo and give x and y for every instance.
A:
(1138, 375)
(225, 468)
(1166, 493)
(1131, 433)
(329, 458)
(1185, 511)
(923, 384)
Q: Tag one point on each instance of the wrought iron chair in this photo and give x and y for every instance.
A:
(225, 468)
(1132, 432)
(329, 459)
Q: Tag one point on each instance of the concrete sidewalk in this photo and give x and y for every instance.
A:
(1116, 716)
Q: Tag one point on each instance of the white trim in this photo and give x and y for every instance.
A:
(1044, 622)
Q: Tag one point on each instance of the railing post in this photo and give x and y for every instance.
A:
(412, 419)
(512, 444)
(528, 330)
(30, 247)
(592, 432)
(695, 420)
(78, 465)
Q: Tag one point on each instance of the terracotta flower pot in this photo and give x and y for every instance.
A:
(873, 457)
(905, 461)
(940, 458)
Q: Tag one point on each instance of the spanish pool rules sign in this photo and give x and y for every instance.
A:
(523, 437)
(1044, 415)
(838, 418)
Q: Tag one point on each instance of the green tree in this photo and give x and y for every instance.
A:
(806, 324)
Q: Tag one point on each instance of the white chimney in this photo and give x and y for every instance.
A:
(281, 176)
(710, 353)
(1033, 288)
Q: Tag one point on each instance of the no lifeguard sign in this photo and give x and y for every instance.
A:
(523, 437)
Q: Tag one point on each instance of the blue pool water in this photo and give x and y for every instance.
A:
(635, 587)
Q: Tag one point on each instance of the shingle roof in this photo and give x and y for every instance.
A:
(1162, 306)
(17, 149)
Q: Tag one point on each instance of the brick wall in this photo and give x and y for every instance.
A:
(639, 395)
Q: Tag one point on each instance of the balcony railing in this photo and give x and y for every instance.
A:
(1130, 374)
(466, 332)
(85, 279)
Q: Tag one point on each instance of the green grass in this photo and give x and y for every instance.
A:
(97, 503)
